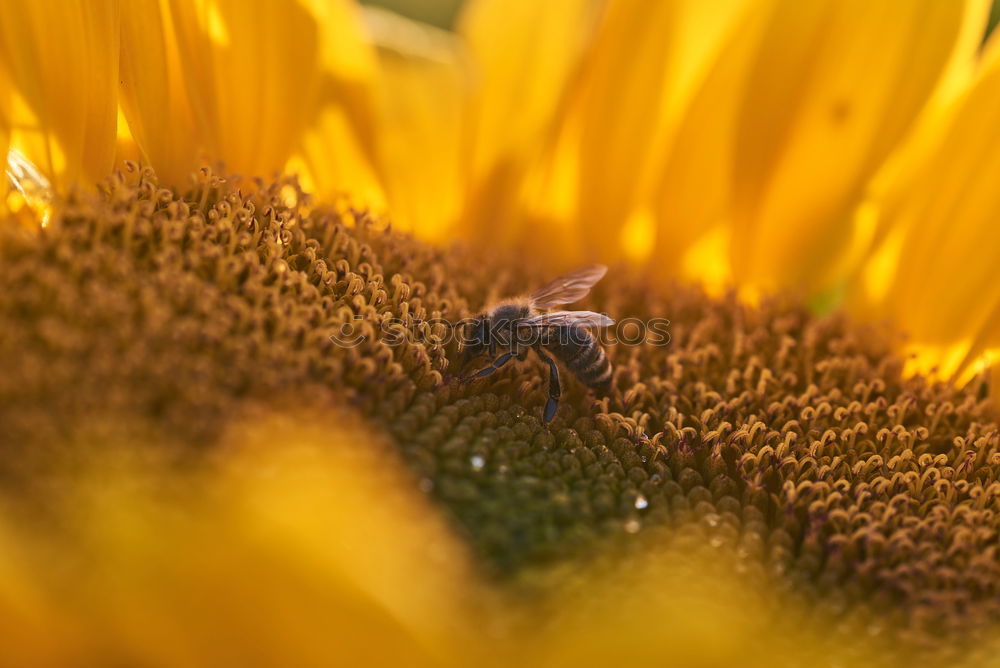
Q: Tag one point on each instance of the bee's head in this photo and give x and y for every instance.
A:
(473, 340)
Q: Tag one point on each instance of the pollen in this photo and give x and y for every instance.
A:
(795, 442)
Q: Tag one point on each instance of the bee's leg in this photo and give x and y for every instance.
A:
(554, 390)
(497, 363)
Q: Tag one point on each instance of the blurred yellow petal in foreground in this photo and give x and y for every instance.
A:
(308, 544)
(678, 601)
(60, 59)
(300, 544)
(935, 275)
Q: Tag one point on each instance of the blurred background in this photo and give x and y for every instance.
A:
(442, 13)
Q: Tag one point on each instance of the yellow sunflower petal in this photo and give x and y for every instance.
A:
(543, 221)
(153, 92)
(62, 62)
(333, 162)
(958, 76)
(4, 134)
(935, 276)
(317, 549)
(995, 378)
(984, 354)
(645, 64)
(337, 154)
(27, 616)
(524, 56)
(348, 64)
(243, 75)
(832, 87)
(420, 95)
(693, 191)
(679, 602)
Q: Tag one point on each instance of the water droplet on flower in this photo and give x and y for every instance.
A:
(712, 520)
(641, 502)
(477, 462)
(715, 541)
(633, 526)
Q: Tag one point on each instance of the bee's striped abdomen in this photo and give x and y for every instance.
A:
(583, 356)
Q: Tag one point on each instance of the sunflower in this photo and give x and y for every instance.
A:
(205, 195)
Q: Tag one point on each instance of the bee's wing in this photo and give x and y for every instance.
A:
(568, 288)
(563, 318)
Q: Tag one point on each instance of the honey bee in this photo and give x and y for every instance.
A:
(514, 327)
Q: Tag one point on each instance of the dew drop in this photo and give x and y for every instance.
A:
(641, 502)
(633, 526)
(477, 462)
